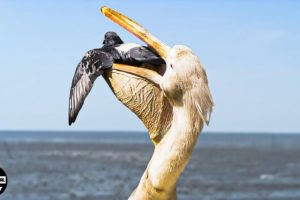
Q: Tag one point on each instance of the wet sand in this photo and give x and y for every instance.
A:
(107, 170)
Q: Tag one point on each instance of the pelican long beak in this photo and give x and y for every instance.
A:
(137, 30)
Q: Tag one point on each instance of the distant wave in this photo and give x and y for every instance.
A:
(206, 139)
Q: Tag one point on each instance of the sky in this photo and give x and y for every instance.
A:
(250, 49)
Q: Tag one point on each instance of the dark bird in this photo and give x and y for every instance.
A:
(96, 61)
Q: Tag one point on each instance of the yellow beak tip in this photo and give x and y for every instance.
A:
(104, 9)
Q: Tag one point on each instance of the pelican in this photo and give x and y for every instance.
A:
(172, 99)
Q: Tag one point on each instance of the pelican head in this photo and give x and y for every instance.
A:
(185, 81)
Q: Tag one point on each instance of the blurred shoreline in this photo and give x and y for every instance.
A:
(206, 139)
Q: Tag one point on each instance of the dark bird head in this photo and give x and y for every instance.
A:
(112, 39)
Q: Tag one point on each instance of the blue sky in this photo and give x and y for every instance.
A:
(250, 49)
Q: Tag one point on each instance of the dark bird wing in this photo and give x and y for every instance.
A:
(83, 80)
(143, 55)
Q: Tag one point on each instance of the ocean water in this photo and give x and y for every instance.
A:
(108, 165)
(264, 140)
